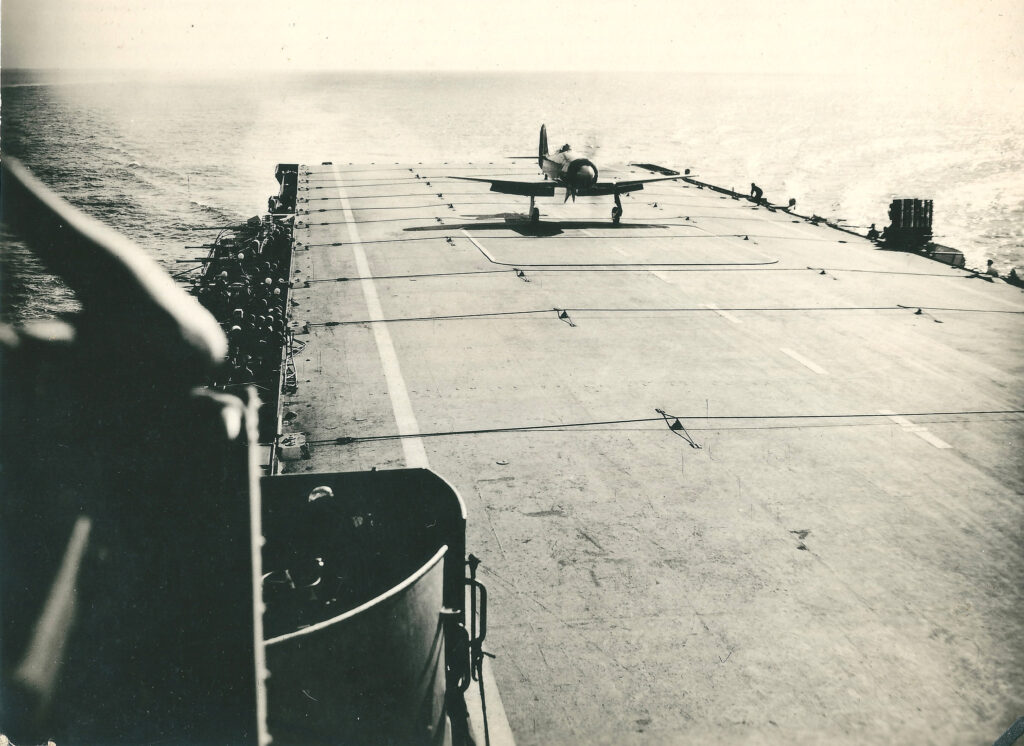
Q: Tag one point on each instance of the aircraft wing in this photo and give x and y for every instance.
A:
(619, 187)
(524, 188)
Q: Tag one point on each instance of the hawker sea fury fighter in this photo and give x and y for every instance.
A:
(578, 176)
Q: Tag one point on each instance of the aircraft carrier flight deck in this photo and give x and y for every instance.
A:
(733, 475)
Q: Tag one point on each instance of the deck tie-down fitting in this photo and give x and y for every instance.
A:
(522, 276)
(564, 316)
(677, 427)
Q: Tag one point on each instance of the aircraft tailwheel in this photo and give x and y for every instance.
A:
(616, 214)
(535, 215)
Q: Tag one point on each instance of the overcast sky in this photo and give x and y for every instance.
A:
(926, 38)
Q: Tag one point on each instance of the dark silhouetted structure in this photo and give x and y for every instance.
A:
(128, 558)
(910, 224)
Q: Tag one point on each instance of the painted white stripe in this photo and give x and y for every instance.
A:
(804, 361)
(927, 437)
(724, 314)
(479, 246)
(901, 421)
(415, 455)
(405, 418)
(919, 430)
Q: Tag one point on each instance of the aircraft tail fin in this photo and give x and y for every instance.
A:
(542, 149)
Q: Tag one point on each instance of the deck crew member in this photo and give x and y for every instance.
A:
(873, 233)
(990, 270)
(756, 192)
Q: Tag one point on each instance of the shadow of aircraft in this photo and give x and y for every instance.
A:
(521, 224)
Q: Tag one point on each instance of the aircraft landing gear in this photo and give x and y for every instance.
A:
(534, 212)
(617, 210)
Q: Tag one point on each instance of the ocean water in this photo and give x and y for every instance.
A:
(161, 157)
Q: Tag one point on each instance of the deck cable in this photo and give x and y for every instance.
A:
(676, 426)
(413, 276)
(434, 318)
(395, 196)
(897, 307)
(324, 184)
(304, 224)
(960, 310)
(564, 312)
(401, 207)
(967, 275)
(634, 267)
(301, 245)
(843, 416)
(427, 181)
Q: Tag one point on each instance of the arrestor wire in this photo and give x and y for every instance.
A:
(842, 416)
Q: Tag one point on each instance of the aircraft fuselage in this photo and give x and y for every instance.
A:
(571, 171)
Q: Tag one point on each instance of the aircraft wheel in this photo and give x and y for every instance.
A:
(535, 215)
(616, 214)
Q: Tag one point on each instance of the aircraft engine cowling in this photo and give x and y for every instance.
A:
(581, 174)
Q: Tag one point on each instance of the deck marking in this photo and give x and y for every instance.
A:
(405, 418)
(415, 455)
(479, 247)
(804, 361)
(724, 314)
(919, 430)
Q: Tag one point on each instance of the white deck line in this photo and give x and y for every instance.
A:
(482, 249)
(724, 314)
(804, 361)
(499, 730)
(405, 418)
(919, 430)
